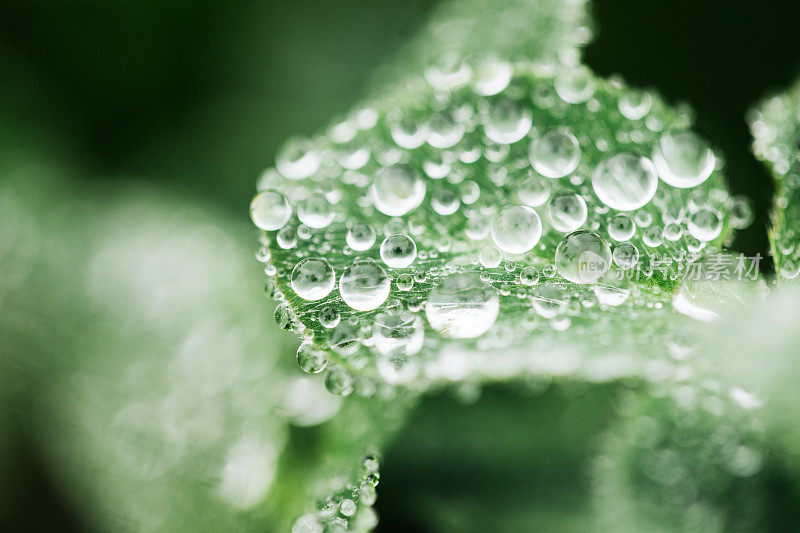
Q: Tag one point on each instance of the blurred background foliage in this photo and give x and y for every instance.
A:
(195, 97)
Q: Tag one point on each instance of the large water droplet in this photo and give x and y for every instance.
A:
(398, 250)
(313, 278)
(555, 154)
(683, 159)
(397, 190)
(583, 257)
(270, 210)
(364, 285)
(516, 229)
(567, 212)
(507, 121)
(462, 306)
(625, 181)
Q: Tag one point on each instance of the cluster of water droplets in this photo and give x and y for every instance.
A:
(498, 193)
(775, 125)
(345, 506)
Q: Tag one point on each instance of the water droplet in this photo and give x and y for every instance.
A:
(534, 191)
(462, 306)
(549, 300)
(626, 255)
(625, 181)
(270, 210)
(407, 132)
(705, 225)
(445, 201)
(313, 278)
(297, 159)
(405, 282)
(307, 523)
(634, 105)
(329, 317)
(360, 237)
(741, 212)
(583, 257)
(507, 121)
(287, 238)
(339, 381)
(444, 131)
(310, 359)
(344, 339)
(612, 289)
(492, 75)
(449, 72)
(353, 155)
(398, 333)
(516, 229)
(477, 228)
(315, 211)
(555, 154)
(683, 159)
(653, 237)
(364, 285)
(398, 250)
(575, 85)
(672, 232)
(567, 212)
(621, 228)
(397, 190)
(490, 257)
(529, 276)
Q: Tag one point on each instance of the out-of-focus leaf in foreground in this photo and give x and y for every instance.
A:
(162, 402)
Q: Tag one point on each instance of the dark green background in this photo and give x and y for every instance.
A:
(198, 96)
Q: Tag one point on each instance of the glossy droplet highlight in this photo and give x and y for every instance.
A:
(364, 285)
(583, 257)
(462, 306)
(313, 279)
(516, 229)
(683, 159)
(555, 154)
(567, 212)
(625, 181)
(507, 121)
(360, 237)
(398, 250)
(270, 210)
(397, 190)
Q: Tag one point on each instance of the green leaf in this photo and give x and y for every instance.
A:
(466, 269)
